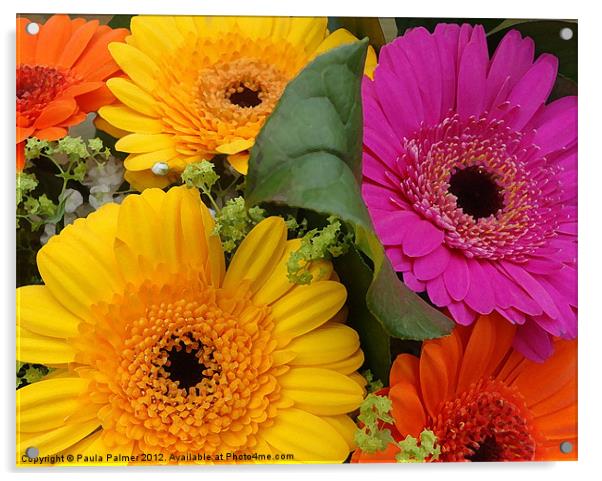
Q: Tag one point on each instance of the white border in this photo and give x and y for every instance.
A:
(590, 74)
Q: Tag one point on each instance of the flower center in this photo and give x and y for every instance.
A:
(38, 85)
(476, 191)
(484, 185)
(183, 367)
(244, 96)
(488, 422)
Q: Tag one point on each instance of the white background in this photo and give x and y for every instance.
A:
(590, 234)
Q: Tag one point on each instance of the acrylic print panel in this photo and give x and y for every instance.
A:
(295, 240)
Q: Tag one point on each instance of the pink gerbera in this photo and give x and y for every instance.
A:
(471, 178)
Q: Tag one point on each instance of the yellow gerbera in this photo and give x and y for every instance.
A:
(162, 350)
(200, 86)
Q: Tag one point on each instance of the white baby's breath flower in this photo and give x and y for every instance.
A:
(49, 231)
(73, 199)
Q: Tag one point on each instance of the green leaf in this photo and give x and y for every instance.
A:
(360, 27)
(308, 155)
(120, 21)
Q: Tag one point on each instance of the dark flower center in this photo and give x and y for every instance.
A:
(488, 450)
(184, 366)
(477, 192)
(245, 97)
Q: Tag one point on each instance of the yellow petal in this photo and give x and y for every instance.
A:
(104, 126)
(47, 404)
(216, 260)
(321, 391)
(141, 180)
(240, 162)
(258, 254)
(78, 266)
(141, 143)
(38, 349)
(309, 438)
(38, 311)
(348, 365)
(307, 307)
(156, 35)
(96, 444)
(327, 344)
(145, 161)
(55, 440)
(125, 118)
(133, 96)
(257, 27)
(343, 37)
(307, 32)
(278, 283)
(344, 426)
(137, 65)
(235, 147)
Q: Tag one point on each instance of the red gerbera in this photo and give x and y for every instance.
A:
(60, 76)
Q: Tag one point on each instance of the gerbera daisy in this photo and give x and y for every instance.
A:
(163, 350)
(60, 75)
(201, 86)
(484, 400)
(471, 178)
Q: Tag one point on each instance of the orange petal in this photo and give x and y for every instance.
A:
(452, 348)
(512, 367)
(504, 335)
(550, 451)
(20, 156)
(92, 101)
(407, 410)
(55, 112)
(23, 133)
(539, 381)
(75, 119)
(434, 379)
(561, 399)
(404, 369)
(477, 355)
(77, 43)
(386, 456)
(26, 43)
(51, 133)
(97, 52)
(560, 425)
(51, 39)
(81, 88)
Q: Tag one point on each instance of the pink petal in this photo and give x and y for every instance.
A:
(378, 196)
(375, 169)
(399, 261)
(480, 296)
(446, 37)
(410, 280)
(533, 342)
(557, 125)
(471, 75)
(514, 316)
(531, 92)
(392, 227)
(511, 59)
(461, 313)
(437, 292)
(432, 265)
(534, 288)
(423, 238)
(457, 277)
(421, 51)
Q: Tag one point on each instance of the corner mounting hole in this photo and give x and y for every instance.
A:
(32, 28)
(566, 447)
(32, 452)
(566, 33)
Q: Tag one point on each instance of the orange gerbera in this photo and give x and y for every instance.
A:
(483, 400)
(60, 76)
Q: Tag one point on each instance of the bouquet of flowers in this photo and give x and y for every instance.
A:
(254, 239)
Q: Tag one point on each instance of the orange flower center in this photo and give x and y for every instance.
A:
(488, 422)
(37, 86)
(183, 368)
